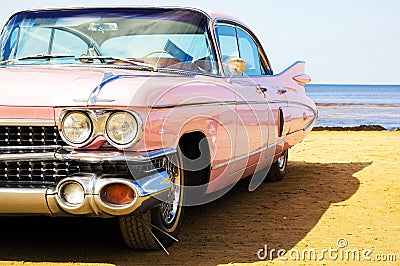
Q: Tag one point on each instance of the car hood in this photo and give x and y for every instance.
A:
(60, 86)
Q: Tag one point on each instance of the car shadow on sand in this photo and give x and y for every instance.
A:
(231, 229)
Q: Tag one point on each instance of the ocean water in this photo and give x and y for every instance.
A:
(354, 105)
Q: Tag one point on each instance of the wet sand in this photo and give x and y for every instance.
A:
(338, 185)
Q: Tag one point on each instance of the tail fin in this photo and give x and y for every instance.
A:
(293, 74)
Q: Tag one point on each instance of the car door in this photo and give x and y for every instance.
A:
(253, 111)
(258, 70)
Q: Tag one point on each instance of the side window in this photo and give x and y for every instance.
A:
(227, 43)
(249, 52)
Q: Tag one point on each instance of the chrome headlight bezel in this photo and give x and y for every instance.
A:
(134, 139)
(64, 136)
(99, 119)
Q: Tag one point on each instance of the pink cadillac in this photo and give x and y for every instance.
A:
(137, 112)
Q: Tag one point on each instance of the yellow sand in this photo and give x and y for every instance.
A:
(339, 185)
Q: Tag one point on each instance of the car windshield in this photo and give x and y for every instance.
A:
(163, 38)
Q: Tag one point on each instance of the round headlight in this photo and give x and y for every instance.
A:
(122, 128)
(76, 127)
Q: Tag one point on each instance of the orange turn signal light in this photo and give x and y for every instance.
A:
(120, 194)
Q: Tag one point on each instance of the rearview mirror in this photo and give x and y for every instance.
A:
(102, 27)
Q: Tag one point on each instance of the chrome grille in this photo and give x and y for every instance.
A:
(49, 173)
(17, 136)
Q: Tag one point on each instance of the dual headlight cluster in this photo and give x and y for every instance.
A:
(121, 128)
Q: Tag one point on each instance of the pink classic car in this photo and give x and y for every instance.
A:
(137, 112)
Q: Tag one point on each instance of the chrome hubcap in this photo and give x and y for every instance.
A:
(281, 161)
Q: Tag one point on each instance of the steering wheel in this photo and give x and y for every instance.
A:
(156, 52)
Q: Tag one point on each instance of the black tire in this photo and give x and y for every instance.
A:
(152, 230)
(278, 169)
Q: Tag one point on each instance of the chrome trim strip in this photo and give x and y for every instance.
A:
(112, 156)
(192, 104)
(312, 123)
(154, 184)
(28, 148)
(300, 104)
(87, 156)
(154, 154)
(26, 122)
(214, 103)
(315, 111)
(108, 77)
(23, 201)
(247, 155)
(41, 156)
(229, 102)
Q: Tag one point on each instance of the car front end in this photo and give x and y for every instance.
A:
(45, 169)
(74, 100)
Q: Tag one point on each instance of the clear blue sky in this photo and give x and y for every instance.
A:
(342, 41)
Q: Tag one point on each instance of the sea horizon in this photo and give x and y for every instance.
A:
(352, 105)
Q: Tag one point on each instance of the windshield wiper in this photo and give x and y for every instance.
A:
(38, 56)
(114, 58)
(82, 58)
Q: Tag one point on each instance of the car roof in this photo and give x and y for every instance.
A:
(210, 13)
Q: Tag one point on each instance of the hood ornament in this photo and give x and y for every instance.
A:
(108, 77)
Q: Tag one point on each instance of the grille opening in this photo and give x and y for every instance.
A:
(49, 173)
(14, 136)
(34, 139)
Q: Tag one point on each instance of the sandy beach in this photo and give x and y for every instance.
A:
(340, 186)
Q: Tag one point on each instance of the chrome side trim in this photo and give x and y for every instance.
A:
(229, 102)
(154, 154)
(214, 103)
(300, 104)
(41, 156)
(23, 201)
(112, 156)
(26, 122)
(314, 120)
(192, 104)
(158, 182)
(247, 155)
(312, 123)
(87, 156)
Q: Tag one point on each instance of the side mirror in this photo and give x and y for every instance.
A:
(237, 66)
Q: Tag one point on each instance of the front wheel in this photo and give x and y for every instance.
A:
(157, 228)
(278, 169)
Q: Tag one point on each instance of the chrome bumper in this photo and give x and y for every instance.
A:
(149, 190)
(87, 156)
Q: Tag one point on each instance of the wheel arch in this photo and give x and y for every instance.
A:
(196, 156)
